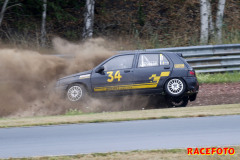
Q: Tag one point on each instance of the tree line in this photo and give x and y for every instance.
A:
(209, 28)
(88, 19)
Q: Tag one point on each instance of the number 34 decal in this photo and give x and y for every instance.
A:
(117, 76)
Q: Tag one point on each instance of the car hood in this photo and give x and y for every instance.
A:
(77, 74)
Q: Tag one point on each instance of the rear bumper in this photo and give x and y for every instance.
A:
(192, 84)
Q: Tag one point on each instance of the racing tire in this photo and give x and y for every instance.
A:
(177, 102)
(76, 93)
(175, 87)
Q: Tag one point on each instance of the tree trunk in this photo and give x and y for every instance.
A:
(204, 22)
(210, 19)
(43, 28)
(3, 11)
(219, 20)
(88, 19)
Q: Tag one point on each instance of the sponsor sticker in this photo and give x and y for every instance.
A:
(179, 66)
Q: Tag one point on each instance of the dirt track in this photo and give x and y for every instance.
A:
(212, 94)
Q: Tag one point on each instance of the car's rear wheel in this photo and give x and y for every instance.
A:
(177, 102)
(175, 87)
(76, 92)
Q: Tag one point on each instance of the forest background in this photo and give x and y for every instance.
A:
(133, 24)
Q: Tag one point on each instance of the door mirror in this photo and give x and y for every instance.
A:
(99, 69)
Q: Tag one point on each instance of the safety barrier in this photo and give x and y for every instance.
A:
(204, 59)
(208, 58)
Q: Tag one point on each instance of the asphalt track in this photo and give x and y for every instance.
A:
(119, 136)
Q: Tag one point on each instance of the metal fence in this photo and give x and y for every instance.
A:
(204, 59)
(207, 59)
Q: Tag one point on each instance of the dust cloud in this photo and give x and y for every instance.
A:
(87, 55)
(28, 78)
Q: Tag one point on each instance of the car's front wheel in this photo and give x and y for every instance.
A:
(76, 92)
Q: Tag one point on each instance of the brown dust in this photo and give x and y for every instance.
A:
(28, 78)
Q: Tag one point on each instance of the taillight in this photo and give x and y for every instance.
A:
(191, 73)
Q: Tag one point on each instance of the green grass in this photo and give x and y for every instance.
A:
(173, 39)
(73, 112)
(166, 113)
(219, 77)
(162, 154)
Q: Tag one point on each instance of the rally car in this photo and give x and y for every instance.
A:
(166, 74)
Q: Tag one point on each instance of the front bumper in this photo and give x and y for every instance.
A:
(60, 89)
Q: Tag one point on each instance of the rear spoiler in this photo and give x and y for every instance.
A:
(179, 54)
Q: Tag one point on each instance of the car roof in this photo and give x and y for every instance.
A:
(146, 52)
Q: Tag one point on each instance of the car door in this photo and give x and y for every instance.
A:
(151, 71)
(117, 76)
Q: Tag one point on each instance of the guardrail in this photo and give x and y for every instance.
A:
(204, 59)
(208, 58)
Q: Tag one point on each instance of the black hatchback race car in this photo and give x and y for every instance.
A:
(166, 74)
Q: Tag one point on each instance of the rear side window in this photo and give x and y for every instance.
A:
(163, 60)
(148, 60)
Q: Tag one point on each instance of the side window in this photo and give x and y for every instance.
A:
(148, 60)
(163, 60)
(120, 62)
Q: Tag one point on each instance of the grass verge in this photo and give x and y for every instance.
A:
(175, 154)
(214, 110)
(219, 77)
